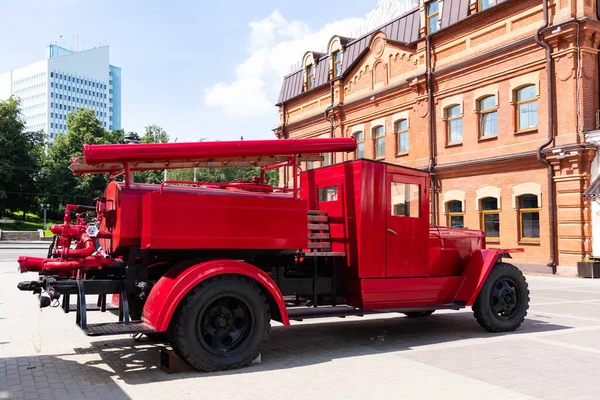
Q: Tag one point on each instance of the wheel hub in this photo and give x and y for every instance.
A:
(225, 325)
(505, 299)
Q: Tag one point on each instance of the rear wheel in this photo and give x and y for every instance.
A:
(221, 324)
(503, 301)
(417, 314)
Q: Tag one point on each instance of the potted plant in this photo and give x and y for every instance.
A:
(588, 268)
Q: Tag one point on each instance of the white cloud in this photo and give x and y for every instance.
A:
(275, 44)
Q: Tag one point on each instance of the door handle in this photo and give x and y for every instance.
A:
(392, 231)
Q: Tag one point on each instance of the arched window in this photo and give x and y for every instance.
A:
(456, 215)
(454, 124)
(379, 136)
(488, 117)
(360, 144)
(490, 218)
(527, 110)
(402, 136)
(529, 218)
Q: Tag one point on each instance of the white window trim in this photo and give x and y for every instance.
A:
(454, 195)
(488, 191)
(400, 116)
(375, 124)
(527, 188)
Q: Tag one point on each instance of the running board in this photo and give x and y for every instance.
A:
(117, 328)
(301, 313)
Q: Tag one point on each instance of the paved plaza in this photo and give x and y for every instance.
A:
(555, 355)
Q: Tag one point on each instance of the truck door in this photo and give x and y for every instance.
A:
(407, 226)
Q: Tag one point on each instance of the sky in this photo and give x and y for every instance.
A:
(198, 69)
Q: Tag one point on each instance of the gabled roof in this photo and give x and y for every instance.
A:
(404, 29)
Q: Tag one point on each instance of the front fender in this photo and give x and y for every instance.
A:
(174, 285)
(475, 274)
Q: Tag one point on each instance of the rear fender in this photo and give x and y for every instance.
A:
(172, 287)
(475, 274)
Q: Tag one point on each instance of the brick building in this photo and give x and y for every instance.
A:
(498, 99)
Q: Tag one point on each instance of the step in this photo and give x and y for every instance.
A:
(318, 218)
(316, 236)
(300, 313)
(318, 227)
(118, 328)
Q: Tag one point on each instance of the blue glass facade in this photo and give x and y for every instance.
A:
(115, 100)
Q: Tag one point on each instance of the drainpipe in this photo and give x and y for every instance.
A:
(434, 208)
(327, 111)
(540, 158)
(285, 170)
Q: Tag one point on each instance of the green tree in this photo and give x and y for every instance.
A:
(61, 185)
(152, 134)
(21, 154)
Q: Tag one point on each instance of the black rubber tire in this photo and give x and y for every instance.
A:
(419, 314)
(185, 338)
(483, 305)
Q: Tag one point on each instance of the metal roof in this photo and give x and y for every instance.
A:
(404, 29)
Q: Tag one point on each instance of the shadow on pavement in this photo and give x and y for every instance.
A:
(309, 344)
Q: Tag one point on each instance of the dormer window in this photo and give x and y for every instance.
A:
(337, 63)
(433, 16)
(310, 76)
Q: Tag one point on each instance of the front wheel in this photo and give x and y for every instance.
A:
(221, 324)
(503, 301)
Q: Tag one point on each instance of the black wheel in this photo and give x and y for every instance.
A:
(503, 301)
(221, 324)
(417, 314)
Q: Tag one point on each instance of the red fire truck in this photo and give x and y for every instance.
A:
(209, 265)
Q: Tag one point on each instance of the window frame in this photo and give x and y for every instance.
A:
(448, 122)
(518, 105)
(376, 139)
(310, 76)
(485, 212)
(335, 63)
(429, 17)
(483, 112)
(398, 133)
(358, 143)
(451, 214)
(480, 5)
(521, 211)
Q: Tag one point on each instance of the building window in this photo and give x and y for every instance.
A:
(529, 218)
(310, 77)
(527, 111)
(360, 144)
(456, 216)
(337, 63)
(488, 117)
(485, 4)
(454, 124)
(402, 136)
(379, 136)
(490, 218)
(433, 16)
